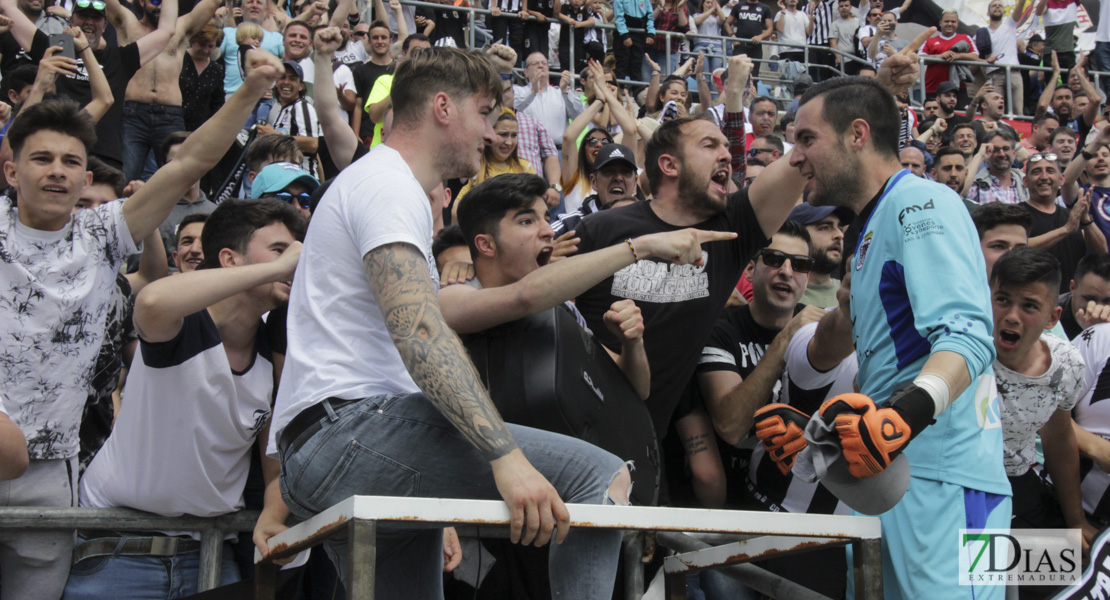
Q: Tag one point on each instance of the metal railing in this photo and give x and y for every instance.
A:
(726, 43)
(767, 534)
(212, 529)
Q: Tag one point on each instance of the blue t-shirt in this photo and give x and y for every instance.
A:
(918, 288)
(271, 42)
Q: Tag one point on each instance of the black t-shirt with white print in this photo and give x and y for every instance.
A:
(679, 304)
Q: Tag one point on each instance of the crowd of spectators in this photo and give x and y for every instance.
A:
(164, 165)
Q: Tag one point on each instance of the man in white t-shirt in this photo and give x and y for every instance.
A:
(1039, 377)
(58, 274)
(793, 26)
(1003, 32)
(378, 395)
(198, 398)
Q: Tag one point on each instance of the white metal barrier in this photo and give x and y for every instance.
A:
(772, 534)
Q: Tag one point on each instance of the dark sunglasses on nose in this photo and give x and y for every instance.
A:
(1034, 158)
(776, 258)
(301, 198)
(755, 151)
(360, 34)
(596, 141)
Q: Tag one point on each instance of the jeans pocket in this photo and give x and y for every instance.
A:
(361, 470)
(89, 566)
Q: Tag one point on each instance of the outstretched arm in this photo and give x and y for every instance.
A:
(127, 25)
(150, 206)
(102, 97)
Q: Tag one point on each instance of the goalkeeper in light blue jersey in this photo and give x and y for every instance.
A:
(920, 308)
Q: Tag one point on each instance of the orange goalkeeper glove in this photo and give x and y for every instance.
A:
(872, 437)
(781, 428)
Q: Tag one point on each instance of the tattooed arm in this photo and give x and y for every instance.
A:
(438, 363)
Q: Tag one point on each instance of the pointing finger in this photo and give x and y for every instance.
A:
(918, 41)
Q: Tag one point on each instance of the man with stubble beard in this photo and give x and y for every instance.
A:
(825, 225)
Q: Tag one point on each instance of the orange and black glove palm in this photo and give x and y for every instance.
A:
(781, 428)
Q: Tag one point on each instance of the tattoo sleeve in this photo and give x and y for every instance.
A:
(432, 353)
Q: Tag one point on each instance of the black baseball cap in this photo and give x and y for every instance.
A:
(614, 152)
(947, 86)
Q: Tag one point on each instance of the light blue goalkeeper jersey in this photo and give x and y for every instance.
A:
(918, 287)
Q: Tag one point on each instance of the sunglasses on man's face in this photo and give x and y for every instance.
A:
(360, 34)
(288, 198)
(755, 151)
(776, 258)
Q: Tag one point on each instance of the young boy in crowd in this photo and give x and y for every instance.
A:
(60, 272)
(1039, 377)
(198, 397)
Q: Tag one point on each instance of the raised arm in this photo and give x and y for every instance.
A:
(341, 139)
(102, 97)
(126, 23)
(161, 308)
(439, 365)
(195, 20)
(1070, 187)
(150, 206)
(1049, 86)
(22, 28)
(152, 44)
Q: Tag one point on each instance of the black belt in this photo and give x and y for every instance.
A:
(307, 423)
(152, 545)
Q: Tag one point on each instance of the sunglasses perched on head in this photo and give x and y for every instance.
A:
(97, 4)
(776, 258)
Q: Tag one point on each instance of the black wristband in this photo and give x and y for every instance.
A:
(1087, 155)
(915, 406)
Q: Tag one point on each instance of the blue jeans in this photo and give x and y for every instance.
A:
(714, 54)
(143, 577)
(145, 126)
(402, 446)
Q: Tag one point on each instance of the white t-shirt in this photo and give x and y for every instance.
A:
(354, 53)
(794, 30)
(192, 420)
(57, 287)
(338, 344)
(1103, 33)
(1027, 402)
(341, 75)
(1004, 43)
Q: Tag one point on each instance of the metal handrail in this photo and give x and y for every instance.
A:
(212, 529)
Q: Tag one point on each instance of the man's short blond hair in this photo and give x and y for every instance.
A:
(458, 73)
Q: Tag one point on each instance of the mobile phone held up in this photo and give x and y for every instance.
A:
(65, 41)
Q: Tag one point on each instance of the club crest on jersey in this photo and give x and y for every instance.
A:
(862, 251)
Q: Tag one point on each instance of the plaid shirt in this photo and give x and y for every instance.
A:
(534, 144)
(733, 129)
(995, 192)
(667, 20)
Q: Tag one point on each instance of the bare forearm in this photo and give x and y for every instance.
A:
(13, 450)
(152, 263)
(340, 136)
(1061, 460)
(102, 97)
(432, 353)
(308, 145)
(734, 413)
(633, 362)
(1050, 239)
(832, 342)
(1094, 239)
(952, 368)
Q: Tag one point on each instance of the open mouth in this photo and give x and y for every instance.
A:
(720, 180)
(54, 189)
(616, 190)
(1008, 338)
(782, 289)
(544, 256)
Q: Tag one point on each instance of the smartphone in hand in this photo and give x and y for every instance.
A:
(65, 41)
